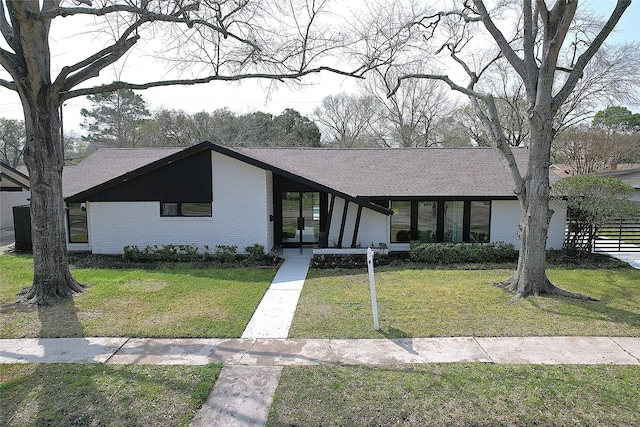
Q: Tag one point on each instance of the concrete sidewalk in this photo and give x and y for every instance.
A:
(244, 390)
(282, 352)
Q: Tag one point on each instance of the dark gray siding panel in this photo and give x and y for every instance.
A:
(185, 180)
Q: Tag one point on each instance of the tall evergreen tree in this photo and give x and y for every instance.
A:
(116, 119)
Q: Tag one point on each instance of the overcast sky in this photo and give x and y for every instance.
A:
(253, 96)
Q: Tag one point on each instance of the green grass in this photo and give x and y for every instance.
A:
(180, 301)
(102, 395)
(426, 303)
(457, 395)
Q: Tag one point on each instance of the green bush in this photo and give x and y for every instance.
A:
(133, 254)
(225, 253)
(164, 253)
(451, 253)
(256, 254)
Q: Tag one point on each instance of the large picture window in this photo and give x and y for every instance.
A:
(401, 221)
(453, 221)
(479, 218)
(77, 223)
(199, 209)
(428, 221)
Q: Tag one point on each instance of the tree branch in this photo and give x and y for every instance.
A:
(5, 28)
(507, 51)
(583, 60)
(529, 44)
(9, 85)
(92, 66)
(111, 87)
(7, 61)
(179, 17)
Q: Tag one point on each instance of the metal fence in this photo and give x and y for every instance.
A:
(619, 236)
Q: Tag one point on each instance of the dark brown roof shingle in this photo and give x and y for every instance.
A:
(415, 172)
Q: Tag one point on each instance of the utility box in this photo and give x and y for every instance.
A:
(22, 228)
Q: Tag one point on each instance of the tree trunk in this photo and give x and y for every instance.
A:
(530, 277)
(44, 157)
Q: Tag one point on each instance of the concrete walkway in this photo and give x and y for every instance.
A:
(273, 317)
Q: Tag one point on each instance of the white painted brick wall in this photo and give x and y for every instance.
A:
(240, 209)
(240, 203)
(9, 199)
(505, 216)
(557, 227)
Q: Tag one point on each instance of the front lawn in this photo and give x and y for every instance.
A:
(176, 301)
(102, 395)
(457, 394)
(428, 303)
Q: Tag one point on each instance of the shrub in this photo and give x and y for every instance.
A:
(355, 261)
(256, 254)
(225, 253)
(133, 254)
(451, 253)
(164, 253)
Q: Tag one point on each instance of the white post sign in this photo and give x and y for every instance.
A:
(372, 287)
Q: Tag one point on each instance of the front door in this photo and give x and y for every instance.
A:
(300, 218)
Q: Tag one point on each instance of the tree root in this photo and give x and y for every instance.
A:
(36, 295)
(554, 290)
(549, 288)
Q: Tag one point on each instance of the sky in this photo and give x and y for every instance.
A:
(253, 96)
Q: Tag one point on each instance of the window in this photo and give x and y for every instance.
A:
(401, 221)
(199, 209)
(453, 221)
(479, 218)
(428, 221)
(77, 223)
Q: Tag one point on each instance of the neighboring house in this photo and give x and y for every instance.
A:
(209, 195)
(14, 191)
(630, 176)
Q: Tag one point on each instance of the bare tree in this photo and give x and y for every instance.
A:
(347, 119)
(590, 149)
(613, 137)
(411, 114)
(535, 41)
(214, 40)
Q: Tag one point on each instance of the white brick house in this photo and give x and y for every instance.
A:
(210, 195)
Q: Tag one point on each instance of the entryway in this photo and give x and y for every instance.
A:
(300, 218)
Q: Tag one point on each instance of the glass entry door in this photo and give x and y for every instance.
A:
(300, 217)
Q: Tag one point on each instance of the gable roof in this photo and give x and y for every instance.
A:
(12, 178)
(106, 164)
(357, 174)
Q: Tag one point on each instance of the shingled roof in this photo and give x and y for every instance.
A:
(412, 172)
(446, 172)
(630, 176)
(109, 163)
